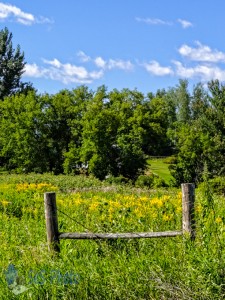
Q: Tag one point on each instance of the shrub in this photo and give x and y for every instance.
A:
(170, 160)
(150, 181)
(144, 181)
(116, 180)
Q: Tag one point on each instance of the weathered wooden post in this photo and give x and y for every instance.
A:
(188, 200)
(51, 221)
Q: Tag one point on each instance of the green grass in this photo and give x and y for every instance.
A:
(163, 268)
(160, 168)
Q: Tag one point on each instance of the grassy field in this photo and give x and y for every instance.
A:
(160, 168)
(166, 268)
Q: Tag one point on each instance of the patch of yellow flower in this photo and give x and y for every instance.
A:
(125, 207)
(21, 187)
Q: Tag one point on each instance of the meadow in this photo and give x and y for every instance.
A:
(164, 268)
(159, 167)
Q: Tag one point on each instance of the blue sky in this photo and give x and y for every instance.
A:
(141, 44)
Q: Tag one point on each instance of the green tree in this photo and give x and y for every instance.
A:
(11, 65)
(73, 115)
(183, 101)
(199, 102)
(22, 142)
(112, 137)
(201, 140)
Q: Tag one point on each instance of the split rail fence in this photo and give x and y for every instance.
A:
(54, 236)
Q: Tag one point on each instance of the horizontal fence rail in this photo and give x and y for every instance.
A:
(54, 236)
(110, 236)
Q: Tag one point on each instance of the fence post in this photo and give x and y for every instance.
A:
(51, 221)
(188, 217)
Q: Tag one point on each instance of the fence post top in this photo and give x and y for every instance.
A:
(49, 194)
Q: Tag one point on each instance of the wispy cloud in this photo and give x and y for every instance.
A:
(83, 57)
(113, 64)
(156, 21)
(156, 69)
(11, 12)
(153, 21)
(184, 23)
(109, 64)
(202, 53)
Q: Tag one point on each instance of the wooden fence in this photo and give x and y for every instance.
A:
(54, 236)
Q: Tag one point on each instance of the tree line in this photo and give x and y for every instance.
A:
(108, 133)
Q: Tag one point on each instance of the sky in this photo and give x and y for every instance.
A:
(137, 44)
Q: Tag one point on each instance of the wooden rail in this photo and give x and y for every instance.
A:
(54, 236)
(110, 236)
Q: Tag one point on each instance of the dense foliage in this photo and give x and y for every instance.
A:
(108, 133)
(112, 133)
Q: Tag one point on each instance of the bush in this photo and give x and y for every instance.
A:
(159, 182)
(170, 160)
(144, 181)
(150, 181)
(116, 180)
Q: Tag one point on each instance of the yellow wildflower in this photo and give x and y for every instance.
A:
(167, 217)
(5, 203)
(157, 202)
(93, 206)
(219, 220)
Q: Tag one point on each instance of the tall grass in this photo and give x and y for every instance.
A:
(166, 268)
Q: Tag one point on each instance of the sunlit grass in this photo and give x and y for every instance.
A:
(160, 168)
(168, 268)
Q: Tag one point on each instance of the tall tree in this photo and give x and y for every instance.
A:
(11, 65)
(22, 137)
(183, 101)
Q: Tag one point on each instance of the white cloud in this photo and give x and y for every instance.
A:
(109, 64)
(120, 64)
(202, 72)
(184, 23)
(70, 73)
(202, 53)
(8, 11)
(125, 65)
(153, 21)
(32, 70)
(66, 73)
(154, 68)
(55, 62)
(100, 62)
(83, 57)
